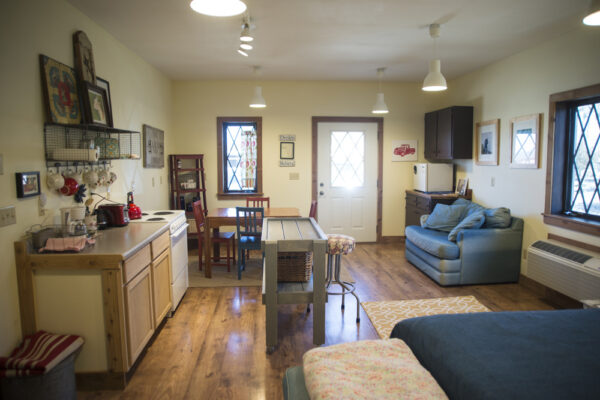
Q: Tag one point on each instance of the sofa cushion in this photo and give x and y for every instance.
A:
(473, 221)
(444, 217)
(470, 207)
(433, 242)
(497, 217)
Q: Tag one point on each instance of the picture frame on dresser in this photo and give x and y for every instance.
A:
(487, 142)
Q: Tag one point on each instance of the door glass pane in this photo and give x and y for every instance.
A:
(347, 159)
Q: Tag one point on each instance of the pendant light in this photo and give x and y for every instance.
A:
(380, 107)
(218, 8)
(434, 81)
(257, 101)
(593, 17)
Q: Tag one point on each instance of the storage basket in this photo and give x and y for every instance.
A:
(294, 266)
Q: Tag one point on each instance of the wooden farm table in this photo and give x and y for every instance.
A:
(218, 217)
(293, 234)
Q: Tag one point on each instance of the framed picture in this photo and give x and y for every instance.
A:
(461, 186)
(28, 184)
(487, 141)
(84, 58)
(95, 104)
(102, 83)
(61, 95)
(525, 141)
(404, 150)
(154, 147)
(286, 150)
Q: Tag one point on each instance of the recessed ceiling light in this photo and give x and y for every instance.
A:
(218, 8)
(242, 52)
(246, 46)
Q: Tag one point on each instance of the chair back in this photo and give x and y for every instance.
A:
(258, 202)
(313, 210)
(198, 215)
(248, 220)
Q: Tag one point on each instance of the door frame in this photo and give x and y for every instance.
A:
(315, 167)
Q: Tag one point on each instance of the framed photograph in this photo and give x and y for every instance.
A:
(102, 83)
(461, 186)
(404, 150)
(28, 184)
(60, 91)
(154, 147)
(286, 150)
(487, 141)
(525, 141)
(95, 104)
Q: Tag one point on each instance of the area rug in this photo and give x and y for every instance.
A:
(384, 315)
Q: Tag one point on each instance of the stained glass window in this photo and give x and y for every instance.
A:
(240, 157)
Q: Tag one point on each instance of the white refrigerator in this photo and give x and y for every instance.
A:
(429, 177)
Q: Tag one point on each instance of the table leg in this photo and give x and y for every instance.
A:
(207, 265)
(216, 247)
(319, 293)
(270, 275)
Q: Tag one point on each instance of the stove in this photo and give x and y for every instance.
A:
(179, 252)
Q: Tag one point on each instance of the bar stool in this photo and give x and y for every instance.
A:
(336, 246)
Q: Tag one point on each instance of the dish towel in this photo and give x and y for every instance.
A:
(74, 243)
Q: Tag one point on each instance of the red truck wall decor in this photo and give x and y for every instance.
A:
(404, 150)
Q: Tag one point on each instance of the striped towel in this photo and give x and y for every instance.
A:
(38, 354)
(73, 243)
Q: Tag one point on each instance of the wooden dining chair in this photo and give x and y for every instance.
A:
(258, 202)
(313, 210)
(248, 222)
(228, 238)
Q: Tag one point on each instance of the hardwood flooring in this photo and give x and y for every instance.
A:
(214, 346)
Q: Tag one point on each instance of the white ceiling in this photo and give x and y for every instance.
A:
(332, 39)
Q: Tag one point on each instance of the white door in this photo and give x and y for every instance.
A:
(347, 179)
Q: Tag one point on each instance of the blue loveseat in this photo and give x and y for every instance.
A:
(480, 254)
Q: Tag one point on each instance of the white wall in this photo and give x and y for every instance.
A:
(140, 94)
(520, 85)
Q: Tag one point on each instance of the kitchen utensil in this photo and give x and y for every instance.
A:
(40, 237)
(55, 181)
(116, 214)
(134, 211)
(70, 187)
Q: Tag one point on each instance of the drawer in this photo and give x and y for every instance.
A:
(134, 264)
(160, 244)
(411, 200)
(423, 204)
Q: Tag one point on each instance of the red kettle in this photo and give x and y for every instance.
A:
(134, 211)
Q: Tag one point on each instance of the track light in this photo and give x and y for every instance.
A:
(218, 8)
(242, 52)
(246, 46)
(245, 36)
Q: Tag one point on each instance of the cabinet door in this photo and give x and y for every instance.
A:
(139, 314)
(444, 134)
(161, 283)
(430, 135)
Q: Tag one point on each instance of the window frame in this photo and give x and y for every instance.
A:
(221, 121)
(557, 168)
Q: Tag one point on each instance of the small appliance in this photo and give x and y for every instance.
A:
(430, 177)
(134, 211)
(116, 214)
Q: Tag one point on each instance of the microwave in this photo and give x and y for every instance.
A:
(430, 177)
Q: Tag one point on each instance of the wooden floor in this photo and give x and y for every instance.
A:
(214, 346)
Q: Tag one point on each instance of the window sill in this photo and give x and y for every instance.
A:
(573, 223)
(230, 196)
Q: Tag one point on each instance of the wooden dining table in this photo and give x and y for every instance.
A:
(219, 217)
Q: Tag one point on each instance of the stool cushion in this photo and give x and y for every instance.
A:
(339, 244)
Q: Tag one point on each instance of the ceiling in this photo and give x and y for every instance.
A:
(332, 39)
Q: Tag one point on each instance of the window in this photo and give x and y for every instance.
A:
(347, 159)
(240, 156)
(573, 188)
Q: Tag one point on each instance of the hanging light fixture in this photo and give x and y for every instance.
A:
(218, 8)
(246, 36)
(257, 101)
(434, 81)
(593, 17)
(380, 107)
(242, 52)
(246, 46)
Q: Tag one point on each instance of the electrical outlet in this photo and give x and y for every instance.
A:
(8, 216)
(294, 176)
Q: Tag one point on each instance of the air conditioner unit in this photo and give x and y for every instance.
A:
(566, 269)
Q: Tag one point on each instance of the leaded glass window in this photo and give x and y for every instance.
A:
(240, 157)
(347, 159)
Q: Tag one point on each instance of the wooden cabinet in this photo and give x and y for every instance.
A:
(418, 204)
(449, 134)
(161, 283)
(139, 315)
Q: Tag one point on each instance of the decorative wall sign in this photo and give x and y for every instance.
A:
(287, 163)
(404, 150)
(84, 58)
(61, 97)
(287, 138)
(286, 150)
(96, 107)
(154, 147)
(525, 141)
(28, 184)
(487, 141)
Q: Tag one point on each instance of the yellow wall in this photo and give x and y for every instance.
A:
(290, 107)
(521, 85)
(140, 94)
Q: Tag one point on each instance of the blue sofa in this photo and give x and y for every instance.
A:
(483, 255)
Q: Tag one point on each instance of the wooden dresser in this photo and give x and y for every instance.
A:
(419, 203)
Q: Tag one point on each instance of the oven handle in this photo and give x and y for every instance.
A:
(175, 236)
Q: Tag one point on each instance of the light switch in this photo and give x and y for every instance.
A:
(294, 176)
(8, 216)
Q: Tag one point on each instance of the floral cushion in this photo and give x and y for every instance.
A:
(368, 369)
(339, 244)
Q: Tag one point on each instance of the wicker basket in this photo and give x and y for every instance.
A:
(294, 266)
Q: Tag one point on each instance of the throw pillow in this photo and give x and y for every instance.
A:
(423, 219)
(470, 207)
(444, 217)
(473, 221)
(497, 217)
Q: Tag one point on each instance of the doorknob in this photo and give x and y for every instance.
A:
(321, 184)
(321, 193)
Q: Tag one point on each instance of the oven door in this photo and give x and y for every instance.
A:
(179, 251)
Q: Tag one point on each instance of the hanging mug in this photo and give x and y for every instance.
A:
(102, 178)
(90, 178)
(54, 181)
